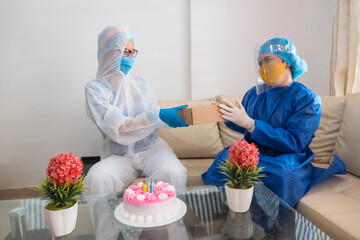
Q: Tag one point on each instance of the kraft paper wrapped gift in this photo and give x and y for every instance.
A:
(200, 114)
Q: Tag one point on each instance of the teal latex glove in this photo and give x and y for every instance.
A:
(171, 118)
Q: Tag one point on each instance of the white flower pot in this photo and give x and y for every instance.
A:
(239, 200)
(61, 222)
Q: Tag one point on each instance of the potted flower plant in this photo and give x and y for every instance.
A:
(241, 170)
(63, 182)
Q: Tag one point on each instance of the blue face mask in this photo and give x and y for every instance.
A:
(126, 64)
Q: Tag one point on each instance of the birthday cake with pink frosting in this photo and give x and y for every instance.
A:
(150, 202)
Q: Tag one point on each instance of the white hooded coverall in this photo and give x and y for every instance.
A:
(126, 112)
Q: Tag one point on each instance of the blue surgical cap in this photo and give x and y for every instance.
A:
(286, 50)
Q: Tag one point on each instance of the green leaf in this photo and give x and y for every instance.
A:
(60, 196)
(240, 178)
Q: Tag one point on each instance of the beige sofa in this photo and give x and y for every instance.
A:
(334, 204)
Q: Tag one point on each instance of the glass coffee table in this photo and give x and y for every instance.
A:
(207, 217)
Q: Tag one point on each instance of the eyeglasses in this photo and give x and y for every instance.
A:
(130, 53)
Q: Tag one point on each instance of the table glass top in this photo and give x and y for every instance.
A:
(207, 217)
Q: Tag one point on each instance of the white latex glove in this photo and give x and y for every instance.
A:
(237, 114)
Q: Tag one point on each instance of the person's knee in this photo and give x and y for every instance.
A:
(100, 180)
(167, 167)
(97, 172)
(176, 175)
(180, 177)
(173, 168)
(180, 171)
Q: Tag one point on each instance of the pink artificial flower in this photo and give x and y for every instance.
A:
(244, 154)
(65, 167)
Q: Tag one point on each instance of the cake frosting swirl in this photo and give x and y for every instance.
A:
(141, 205)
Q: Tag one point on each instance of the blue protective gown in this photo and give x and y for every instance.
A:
(286, 119)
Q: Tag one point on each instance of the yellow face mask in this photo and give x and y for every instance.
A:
(272, 72)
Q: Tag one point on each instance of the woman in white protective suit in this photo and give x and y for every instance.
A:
(126, 112)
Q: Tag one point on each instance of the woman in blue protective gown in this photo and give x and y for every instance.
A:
(280, 117)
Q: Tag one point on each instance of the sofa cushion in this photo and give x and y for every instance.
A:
(197, 141)
(347, 146)
(195, 167)
(334, 206)
(325, 137)
(228, 136)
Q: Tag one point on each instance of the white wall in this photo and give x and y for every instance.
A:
(225, 34)
(48, 53)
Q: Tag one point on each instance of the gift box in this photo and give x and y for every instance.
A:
(200, 114)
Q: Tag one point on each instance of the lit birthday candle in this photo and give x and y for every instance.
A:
(148, 186)
(151, 187)
(144, 188)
